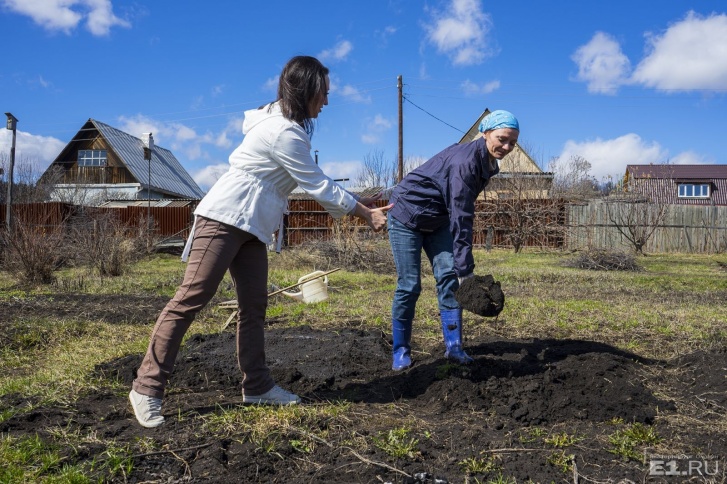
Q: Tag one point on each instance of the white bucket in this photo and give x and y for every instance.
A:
(315, 290)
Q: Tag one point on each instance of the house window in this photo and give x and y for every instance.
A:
(91, 157)
(694, 190)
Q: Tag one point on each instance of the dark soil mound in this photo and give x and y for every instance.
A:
(460, 412)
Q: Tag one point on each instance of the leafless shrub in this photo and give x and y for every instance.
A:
(604, 260)
(352, 246)
(636, 218)
(108, 245)
(32, 253)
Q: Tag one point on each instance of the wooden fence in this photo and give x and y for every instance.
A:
(307, 220)
(684, 228)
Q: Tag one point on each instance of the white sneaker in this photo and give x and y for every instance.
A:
(274, 396)
(148, 410)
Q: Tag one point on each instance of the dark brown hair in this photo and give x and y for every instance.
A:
(302, 80)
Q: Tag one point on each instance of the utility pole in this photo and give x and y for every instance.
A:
(401, 130)
(148, 141)
(12, 123)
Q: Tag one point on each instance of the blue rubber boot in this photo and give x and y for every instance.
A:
(401, 337)
(452, 331)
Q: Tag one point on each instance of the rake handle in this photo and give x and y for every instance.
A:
(302, 282)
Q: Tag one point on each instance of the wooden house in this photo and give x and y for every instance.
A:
(102, 163)
(678, 184)
(519, 177)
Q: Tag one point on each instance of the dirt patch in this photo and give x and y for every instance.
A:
(493, 410)
(110, 308)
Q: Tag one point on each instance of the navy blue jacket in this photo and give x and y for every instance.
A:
(442, 192)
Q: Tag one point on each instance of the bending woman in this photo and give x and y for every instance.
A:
(434, 209)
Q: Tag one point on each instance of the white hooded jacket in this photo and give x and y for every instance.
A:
(273, 158)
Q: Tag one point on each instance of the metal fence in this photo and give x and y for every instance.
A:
(167, 221)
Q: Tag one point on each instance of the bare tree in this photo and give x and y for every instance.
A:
(636, 218)
(376, 171)
(572, 180)
(26, 173)
(523, 213)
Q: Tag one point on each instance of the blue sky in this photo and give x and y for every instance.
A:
(615, 82)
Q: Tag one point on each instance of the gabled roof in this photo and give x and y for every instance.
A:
(681, 172)
(167, 174)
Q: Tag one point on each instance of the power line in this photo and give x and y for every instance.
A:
(430, 114)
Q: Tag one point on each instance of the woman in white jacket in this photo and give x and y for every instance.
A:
(234, 223)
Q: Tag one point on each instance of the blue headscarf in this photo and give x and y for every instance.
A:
(499, 119)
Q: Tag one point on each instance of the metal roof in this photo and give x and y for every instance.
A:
(684, 172)
(660, 182)
(167, 174)
(152, 203)
(300, 194)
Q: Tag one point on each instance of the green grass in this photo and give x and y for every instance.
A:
(397, 443)
(629, 441)
(674, 304)
(27, 460)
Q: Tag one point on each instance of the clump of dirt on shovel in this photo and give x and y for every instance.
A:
(481, 295)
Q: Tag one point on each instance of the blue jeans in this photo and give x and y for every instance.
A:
(406, 246)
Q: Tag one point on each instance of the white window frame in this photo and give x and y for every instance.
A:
(694, 190)
(95, 158)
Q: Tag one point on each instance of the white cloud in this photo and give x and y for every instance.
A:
(459, 32)
(338, 52)
(601, 64)
(231, 134)
(610, 157)
(38, 150)
(375, 128)
(101, 17)
(341, 169)
(690, 54)
(471, 89)
(348, 92)
(207, 176)
(383, 35)
(271, 85)
(65, 15)
(353, 94)
(217, 90)
(183, 141)
(691, 158)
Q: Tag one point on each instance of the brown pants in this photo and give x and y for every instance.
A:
(216, 248)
